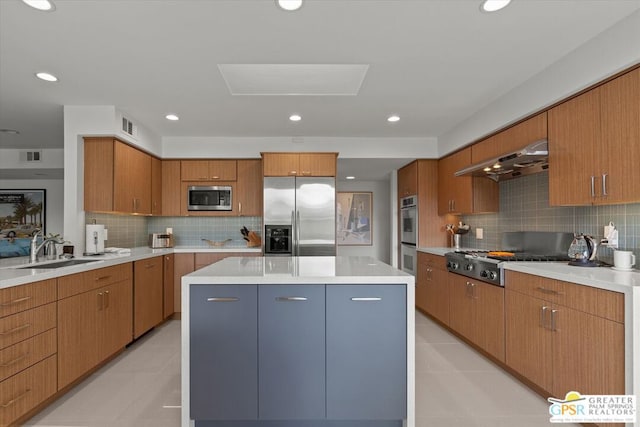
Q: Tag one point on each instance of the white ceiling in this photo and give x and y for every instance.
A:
(433, 62)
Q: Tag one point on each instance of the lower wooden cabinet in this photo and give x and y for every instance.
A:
(167, 284)
(432, 286)
(148, 289)
(92, 326)
(477, 313)
(554, 339)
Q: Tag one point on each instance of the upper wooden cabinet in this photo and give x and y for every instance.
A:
(299, 164)
(248, 191)
(511, 139)
(431, 226)
(408, 180)
(156, 186)
(171, 187)
(460, 195)
(117, 177)
(593, 145)
(208, 170)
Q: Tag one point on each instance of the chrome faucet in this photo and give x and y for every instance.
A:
(35, 248)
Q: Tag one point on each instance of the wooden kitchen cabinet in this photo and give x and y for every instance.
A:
(248, 190)
(167, 285)
(299, 164)
(432, 286)
(148, 288)
(563, 336)
(431, 225)
(183, 264)
(597, 130)
(477, 313)
(464, 194)
(171, 186)
(408, 180)
(511, 139)
(208, 170)
(117, 177)
(95, 319)
(156, 186)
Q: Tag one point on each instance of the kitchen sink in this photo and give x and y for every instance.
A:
(58, 264)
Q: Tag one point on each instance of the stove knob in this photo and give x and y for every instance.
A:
(484, 273)
(493, 275)
(468, 267)
(454, 265)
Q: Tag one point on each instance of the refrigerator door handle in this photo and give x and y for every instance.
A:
(294, 226)
(298, 233)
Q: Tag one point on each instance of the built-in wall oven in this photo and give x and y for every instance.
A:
(408, 234)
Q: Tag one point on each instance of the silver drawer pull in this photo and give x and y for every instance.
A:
(222, 299)
(291, 299)
(17, 329)
(14, 361)
(15, 399)
(548, 291)
(15, 301)
(102, 277)
(366, 299)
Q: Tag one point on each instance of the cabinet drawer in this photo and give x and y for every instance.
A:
(26, 353)
(599, 302)
(26, 390)
(433, 261)
(26, 324)
(77, 283)
(20, 298)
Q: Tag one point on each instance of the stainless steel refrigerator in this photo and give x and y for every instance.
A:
(300, 216)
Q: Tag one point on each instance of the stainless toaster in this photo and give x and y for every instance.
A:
(160, 240)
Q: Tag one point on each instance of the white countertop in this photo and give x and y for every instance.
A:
(299, 270)
(10, 276)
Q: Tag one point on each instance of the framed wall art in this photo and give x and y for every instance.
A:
(22, 214)
(354, 219)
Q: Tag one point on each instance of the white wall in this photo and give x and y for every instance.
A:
(381, 220)
(611, 51)
(54, 199)
(51, 159)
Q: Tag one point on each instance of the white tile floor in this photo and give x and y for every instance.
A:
(455, 386)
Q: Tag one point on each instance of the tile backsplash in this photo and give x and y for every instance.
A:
(126, 231)
(524, 206)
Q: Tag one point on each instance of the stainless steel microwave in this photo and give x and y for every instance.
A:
(209, 198)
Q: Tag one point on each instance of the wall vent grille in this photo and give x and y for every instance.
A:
(129, 127)
(31, 156)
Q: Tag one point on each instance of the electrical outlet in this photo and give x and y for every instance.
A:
(479, 233)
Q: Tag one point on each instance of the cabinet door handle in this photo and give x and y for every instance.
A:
(100, 301)
(102, 278)
(593, 186)
(106, 299)
(16, 329)
(239, 207)
(15, 301)
(14, 361)
(604, 184)
(15, 399)
(293, 172)
(553, 320)
(291, 299)
(222, 299)
(543, 316)
(366, 299)
(473, 291)
(306, 172)
(548, 291)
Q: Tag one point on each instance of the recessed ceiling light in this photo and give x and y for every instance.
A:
(172, 117)
(393, 118)
(494, 5)
(289, 5)
(295, 117)
(10, 131)
(350, 177)
(47, 77)
(44, 5)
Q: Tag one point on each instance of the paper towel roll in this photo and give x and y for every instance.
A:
(95, 238)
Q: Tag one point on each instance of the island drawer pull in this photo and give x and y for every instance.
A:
(15, 399)
(291, 299)
(14, 361)
(223, 299)
(366, 299)
(17, 329)
(15, 301)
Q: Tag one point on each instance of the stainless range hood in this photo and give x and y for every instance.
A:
(531, 159)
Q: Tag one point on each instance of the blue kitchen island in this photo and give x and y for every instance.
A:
(298, 341)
